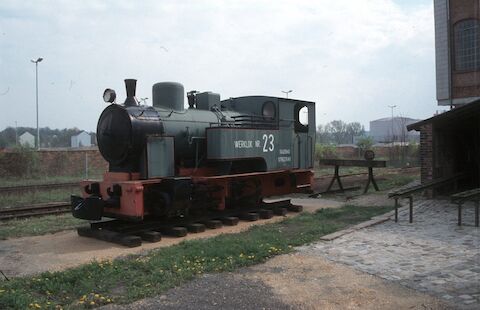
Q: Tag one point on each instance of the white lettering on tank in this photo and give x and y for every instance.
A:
(243, 144)
(284, 159)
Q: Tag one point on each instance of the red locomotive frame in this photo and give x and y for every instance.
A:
(271, 183)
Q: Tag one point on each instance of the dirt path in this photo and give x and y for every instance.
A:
(311, 282)
(295, 281)
(53, 252)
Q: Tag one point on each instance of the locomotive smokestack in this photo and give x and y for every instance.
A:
(131, 85)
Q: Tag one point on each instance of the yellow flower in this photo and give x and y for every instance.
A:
(92, 303)
(97, 296)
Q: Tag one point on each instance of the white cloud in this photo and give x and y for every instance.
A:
(351, 57)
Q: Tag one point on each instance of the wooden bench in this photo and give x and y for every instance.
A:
(460, 198)
(410, 189)
(370, 164)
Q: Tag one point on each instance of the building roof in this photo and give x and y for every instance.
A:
(395, 118)
(463, 110)
(26, 133)
(81, 133)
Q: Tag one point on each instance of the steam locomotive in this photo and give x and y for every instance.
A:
(166, 160)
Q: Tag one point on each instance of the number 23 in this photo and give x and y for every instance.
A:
(268, 145)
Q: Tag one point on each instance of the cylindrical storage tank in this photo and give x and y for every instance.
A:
(169, 95)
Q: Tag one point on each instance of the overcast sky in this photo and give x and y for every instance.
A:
(353, 58)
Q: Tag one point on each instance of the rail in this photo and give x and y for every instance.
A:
(35, 187)
(34, 210)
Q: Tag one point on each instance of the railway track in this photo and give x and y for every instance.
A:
(34, 210)
(36, 187)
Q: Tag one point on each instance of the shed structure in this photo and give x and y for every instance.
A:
(450, 144)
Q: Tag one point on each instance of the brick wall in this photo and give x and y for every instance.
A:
(464, 84)
(72, 162)
(426, 153)
(52, 162)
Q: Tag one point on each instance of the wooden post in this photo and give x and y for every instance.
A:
(396, 210)
(411, 209)
(336, 176)
(370, 179)
(477, 205)
(459, 214)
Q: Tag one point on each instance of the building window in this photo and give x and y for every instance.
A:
(467, 45)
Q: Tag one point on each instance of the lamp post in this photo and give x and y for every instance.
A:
(286, 92)
(16, 134)
(36, 61)
(392, 107)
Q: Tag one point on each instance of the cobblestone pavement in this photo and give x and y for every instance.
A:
(432, 255)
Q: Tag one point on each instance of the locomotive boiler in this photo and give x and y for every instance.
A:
(167, 160)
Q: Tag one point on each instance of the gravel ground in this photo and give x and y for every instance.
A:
(217, 291)
(295, 281)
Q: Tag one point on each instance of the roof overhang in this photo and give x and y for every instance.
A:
(463, 110)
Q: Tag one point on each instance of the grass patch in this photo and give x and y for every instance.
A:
(396, 180)
(135, 277)
(38, 225)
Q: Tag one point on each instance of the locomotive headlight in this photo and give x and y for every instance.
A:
(109, 95)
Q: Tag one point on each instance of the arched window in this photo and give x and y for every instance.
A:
(467, 45)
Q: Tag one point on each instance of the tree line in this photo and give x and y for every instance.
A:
(339, 132)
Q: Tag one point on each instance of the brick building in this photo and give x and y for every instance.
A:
(450, 142)
(457, 51)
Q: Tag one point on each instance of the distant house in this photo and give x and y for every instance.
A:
(26, 139)
(393, 130)
(81, 140)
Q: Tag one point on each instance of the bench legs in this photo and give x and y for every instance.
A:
(336, 176)
(411, 209)
(477, 205)
(396, 210)
(459, 214)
